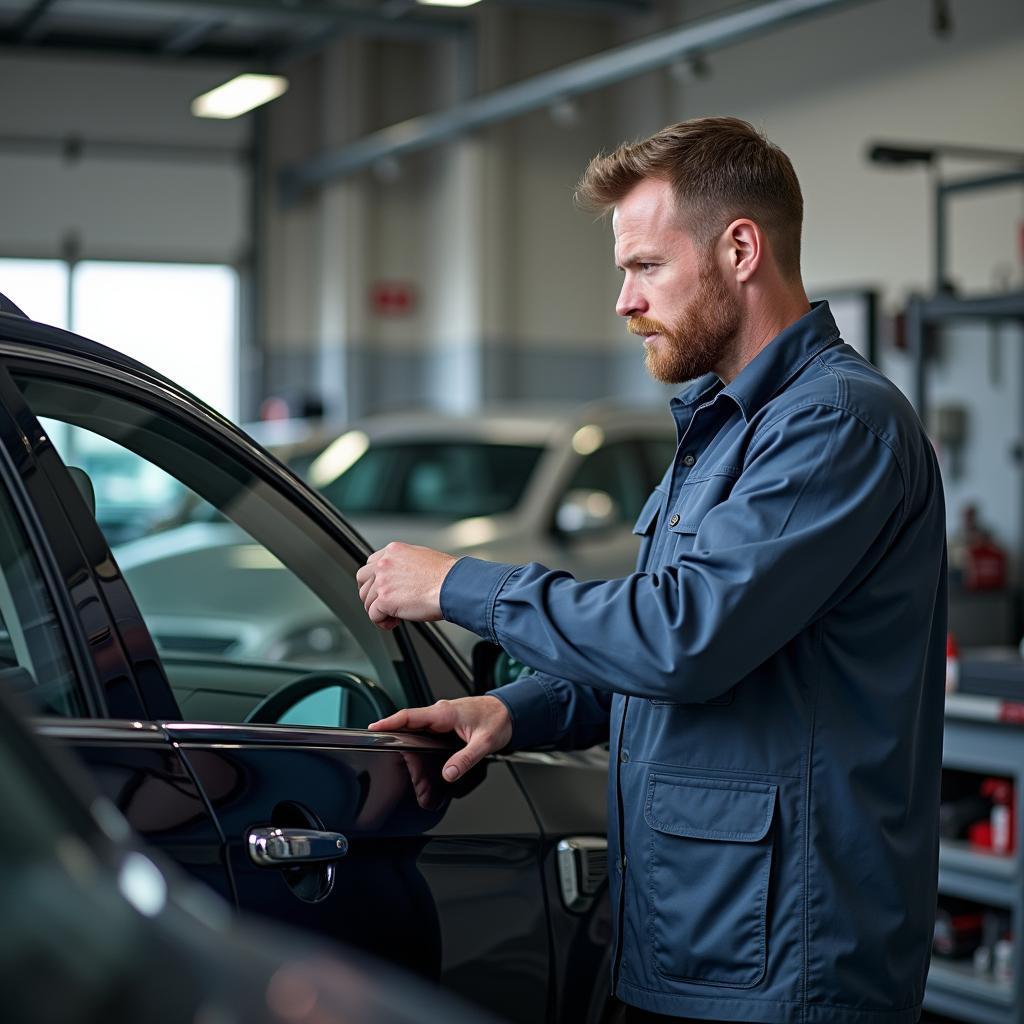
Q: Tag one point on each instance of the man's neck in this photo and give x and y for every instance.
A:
(758, 330)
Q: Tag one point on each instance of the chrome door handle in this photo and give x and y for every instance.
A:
(284, 847)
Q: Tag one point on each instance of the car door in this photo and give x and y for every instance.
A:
(64, 662)
(239, 623)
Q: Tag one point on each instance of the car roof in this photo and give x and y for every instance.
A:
(523, 423)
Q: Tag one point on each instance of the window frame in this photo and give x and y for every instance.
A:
(161, 397)
(39, 514)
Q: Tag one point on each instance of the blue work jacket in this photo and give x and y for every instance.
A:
(771, 683)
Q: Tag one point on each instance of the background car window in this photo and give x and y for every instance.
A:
(615, 470)
(253, 607)
(33, 656)
(439, 480)
(132, 497)
(656, 453)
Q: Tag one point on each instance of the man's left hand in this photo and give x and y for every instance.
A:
(403, 581)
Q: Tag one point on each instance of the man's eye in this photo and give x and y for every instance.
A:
(645, 267)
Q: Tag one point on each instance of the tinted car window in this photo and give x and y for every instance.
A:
(442, 480)
(33, 656)
(244, 596)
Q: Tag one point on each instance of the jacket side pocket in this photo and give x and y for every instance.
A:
(709, 864)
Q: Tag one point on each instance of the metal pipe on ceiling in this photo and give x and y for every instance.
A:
(542, 90)
(310, 12)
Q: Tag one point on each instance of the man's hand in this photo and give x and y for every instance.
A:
(403, 581)
(482, 722)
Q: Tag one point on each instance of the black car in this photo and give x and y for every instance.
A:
(217, 673)
(95, 930)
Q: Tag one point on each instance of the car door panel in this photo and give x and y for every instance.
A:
(567, 794)
(143, 774)
(435, 877)
(454, 889)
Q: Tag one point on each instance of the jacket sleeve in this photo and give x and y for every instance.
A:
(820, 498)
(550, 712)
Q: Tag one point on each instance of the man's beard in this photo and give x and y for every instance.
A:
(700, 339)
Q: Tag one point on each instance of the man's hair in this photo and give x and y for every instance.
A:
(720, 168)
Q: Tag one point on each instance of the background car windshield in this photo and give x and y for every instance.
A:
(438, 480)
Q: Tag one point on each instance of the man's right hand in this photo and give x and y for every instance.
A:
(483, 723)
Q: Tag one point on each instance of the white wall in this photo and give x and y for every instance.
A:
(824, 90)
(141, 206)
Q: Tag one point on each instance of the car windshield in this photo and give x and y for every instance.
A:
(434, 479)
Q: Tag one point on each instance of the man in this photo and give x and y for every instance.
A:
(771, 678)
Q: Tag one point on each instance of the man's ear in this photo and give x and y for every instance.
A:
(745, 248)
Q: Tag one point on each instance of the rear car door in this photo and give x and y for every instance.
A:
(252, 672)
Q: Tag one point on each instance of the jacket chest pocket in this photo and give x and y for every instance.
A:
(645, 525)
(709, 862)
(696, 499)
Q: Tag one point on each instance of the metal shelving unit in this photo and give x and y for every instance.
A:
(983, 735)
(926, 314)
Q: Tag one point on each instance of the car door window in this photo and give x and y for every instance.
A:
(33, 657)
(614, 469)
(253, 607)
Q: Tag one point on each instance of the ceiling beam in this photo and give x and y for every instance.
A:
(190, 35)
(542, 90)
(298, 12)
(592, 8)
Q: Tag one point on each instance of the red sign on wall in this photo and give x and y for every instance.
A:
(393, 298)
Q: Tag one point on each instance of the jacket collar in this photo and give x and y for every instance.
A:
(773, 367)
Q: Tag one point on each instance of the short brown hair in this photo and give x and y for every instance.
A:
(720, 168)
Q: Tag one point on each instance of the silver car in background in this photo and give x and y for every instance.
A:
(512, 485)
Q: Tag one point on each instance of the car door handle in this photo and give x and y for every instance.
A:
(284, 847)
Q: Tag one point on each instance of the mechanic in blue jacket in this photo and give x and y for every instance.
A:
(771, 677)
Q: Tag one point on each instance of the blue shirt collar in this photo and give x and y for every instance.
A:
(772, 367)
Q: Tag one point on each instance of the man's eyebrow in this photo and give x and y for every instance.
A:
(635, 258)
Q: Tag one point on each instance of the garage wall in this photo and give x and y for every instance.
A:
(140, 203)
(521, 303)
(865, 224)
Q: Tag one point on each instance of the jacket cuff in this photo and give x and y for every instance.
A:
(530, 705)
(469, 592)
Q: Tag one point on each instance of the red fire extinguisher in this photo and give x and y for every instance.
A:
(1000, 792)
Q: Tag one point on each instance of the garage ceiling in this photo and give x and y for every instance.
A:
(266, 30)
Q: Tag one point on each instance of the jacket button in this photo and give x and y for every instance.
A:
(688, 460)
(623, 756)
(674, 521)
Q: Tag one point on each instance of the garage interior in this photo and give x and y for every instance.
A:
(397, 231)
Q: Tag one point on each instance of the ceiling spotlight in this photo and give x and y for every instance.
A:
(448, 3)
(239, 96)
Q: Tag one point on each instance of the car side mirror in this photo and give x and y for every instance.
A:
(493, 667)
(586, 512)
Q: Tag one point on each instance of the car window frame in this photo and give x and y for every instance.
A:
(82, 616)
(163, 398)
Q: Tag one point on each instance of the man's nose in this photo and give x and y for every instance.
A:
(630, 302)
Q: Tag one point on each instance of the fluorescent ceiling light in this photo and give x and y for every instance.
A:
(238, 96)
(449, 3)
